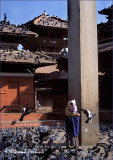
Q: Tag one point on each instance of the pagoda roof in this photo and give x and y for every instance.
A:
(105, 49)
(47, 69)
(106, 11)
(12, 29)
(25, 57)
(48, 21)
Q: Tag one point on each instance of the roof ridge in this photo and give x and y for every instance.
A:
(59, 19)
(38, 18)
(42, 53)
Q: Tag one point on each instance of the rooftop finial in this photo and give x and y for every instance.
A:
(45, 12)
(5, 17)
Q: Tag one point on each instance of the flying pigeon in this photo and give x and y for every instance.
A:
(25, 112)
(3, 108)
(88, 114)
(13, 122)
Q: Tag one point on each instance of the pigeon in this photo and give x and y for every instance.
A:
(110, 140)
(4, 143)
(25, 112)
(95, 147)
(101, 156)
(105, 146)
(59, 157)
(97, 150)
(9, 134)
(44, 135)
(106, 155)
(48, 152)
(110, 135)
(38, 105)
(110, 128)
(82, 152)
(3, 108)
(82, 158)
(89, 153)
(88, 114)
(29, 141)
(50, 143)
(13, 122)
(62, 138)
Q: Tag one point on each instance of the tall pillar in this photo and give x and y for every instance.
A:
(83, 64)
(35, 99)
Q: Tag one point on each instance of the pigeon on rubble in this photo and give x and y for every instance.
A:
(3, 108)
(25, 112)
(88, 114)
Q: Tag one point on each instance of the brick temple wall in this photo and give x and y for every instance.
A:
(16, 91)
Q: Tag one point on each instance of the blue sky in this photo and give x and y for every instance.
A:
(19, 11)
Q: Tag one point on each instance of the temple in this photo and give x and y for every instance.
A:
(18, 67)
(52, 34)
(39, 72)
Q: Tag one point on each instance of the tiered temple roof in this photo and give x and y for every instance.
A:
(52, 33)
(105, 29)
(10, 33)
(49, 21)
(107, 11)
(25, 57)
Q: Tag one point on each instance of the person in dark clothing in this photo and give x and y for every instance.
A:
(72, 125)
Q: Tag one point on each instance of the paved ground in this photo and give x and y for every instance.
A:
(59, 140)
(103, 138)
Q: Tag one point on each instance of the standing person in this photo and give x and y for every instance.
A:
(72, 124)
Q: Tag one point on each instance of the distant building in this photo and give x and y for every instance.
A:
(105, 50)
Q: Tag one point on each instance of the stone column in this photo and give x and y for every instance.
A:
(83, 64)
(35, 99)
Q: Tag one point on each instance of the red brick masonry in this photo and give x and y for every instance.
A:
(33, 119)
